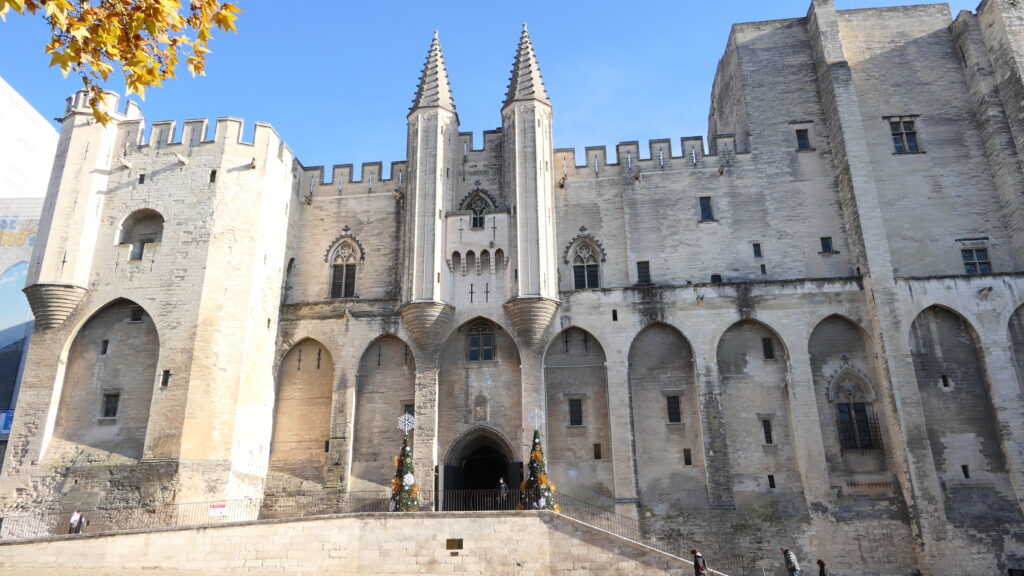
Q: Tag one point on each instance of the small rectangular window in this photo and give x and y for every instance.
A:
(706, 213)
(771, 481)
(135, 314)
(966, 470)
(764, 269)
(757, 250)
(327, 445)
(575, 412)
(945, 381)
(904, 136)
(142, 178)
(615, 315)
(976, 261)
(803, 140)
(826, 245)
(643, 272)
(104, 346)
(597, 451)
(453, 544)
(687, 457)
(766, 427)
(768, 347)
(409, 409)
(165, 379)
(213, 176)
(674, 414)
(110, 402)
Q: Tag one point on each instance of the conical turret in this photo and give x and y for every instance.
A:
(434, 91)
(526, 82)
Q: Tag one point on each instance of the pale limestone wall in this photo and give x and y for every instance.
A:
(302, 413)
(914, 45)
(228, 333)
(528, 543)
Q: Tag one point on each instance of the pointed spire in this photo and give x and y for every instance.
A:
(434, 91)
(526, 82)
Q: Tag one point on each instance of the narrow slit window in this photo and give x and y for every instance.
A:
(213, 176)
(768, 347)
(687, 457)
(764, 270)
(766, 427)
(142, 178)
(966, 470)
(615, 315)
(104, 347)
(597, 451)
(771, 481)
(757, 250)
(575, 412)
(165, 379)
(945, 381)
(674, 414)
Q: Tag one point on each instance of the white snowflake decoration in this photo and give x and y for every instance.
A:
(537, 418)
(406, 422)
(408, 479)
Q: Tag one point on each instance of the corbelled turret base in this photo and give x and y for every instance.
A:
(53, 303)
(531, 317)
(426, 322)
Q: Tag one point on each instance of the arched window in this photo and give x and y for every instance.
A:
(855, 418)
(499, 259)
(140, 228)
(479, 208)
(471, 262)
(343, 271)
(716, 278)
(478, 203)
(480, 343)
(485, 261)
(456, 262)
(585, 267)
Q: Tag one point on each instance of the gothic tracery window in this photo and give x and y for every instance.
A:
(585, 267)
(480, 343)
(343, 272)
(479, 209)
(855, 418)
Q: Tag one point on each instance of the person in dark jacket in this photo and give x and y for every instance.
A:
(700, 567)
(792, 566)
(821, 567)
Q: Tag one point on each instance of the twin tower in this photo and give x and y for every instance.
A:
(442, 194)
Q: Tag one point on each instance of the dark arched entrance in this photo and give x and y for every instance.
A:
(474, 465)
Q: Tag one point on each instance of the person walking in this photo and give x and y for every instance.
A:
(792, 566)
(73, 526)
(821, 567)
(700, 566)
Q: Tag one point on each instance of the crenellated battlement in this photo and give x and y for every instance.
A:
(659, 155)
(314, 182)
(195, 133)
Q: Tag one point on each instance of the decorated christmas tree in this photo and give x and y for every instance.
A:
(404, 492)
(538, 490)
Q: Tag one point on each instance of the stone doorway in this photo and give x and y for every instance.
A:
(474, 465)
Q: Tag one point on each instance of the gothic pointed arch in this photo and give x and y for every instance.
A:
(576, 406)
(753, 376)
(665, 418)
(302, 414)
(476, 437)
(385, 389)
(344, 256)
(583, 256)
(844, 372)
(108, 382)
(478, 203)
(956, 400)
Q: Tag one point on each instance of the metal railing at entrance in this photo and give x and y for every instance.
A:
(320, 504)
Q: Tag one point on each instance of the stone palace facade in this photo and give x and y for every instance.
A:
(809, 332)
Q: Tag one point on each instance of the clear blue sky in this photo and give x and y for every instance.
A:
(336, 78)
